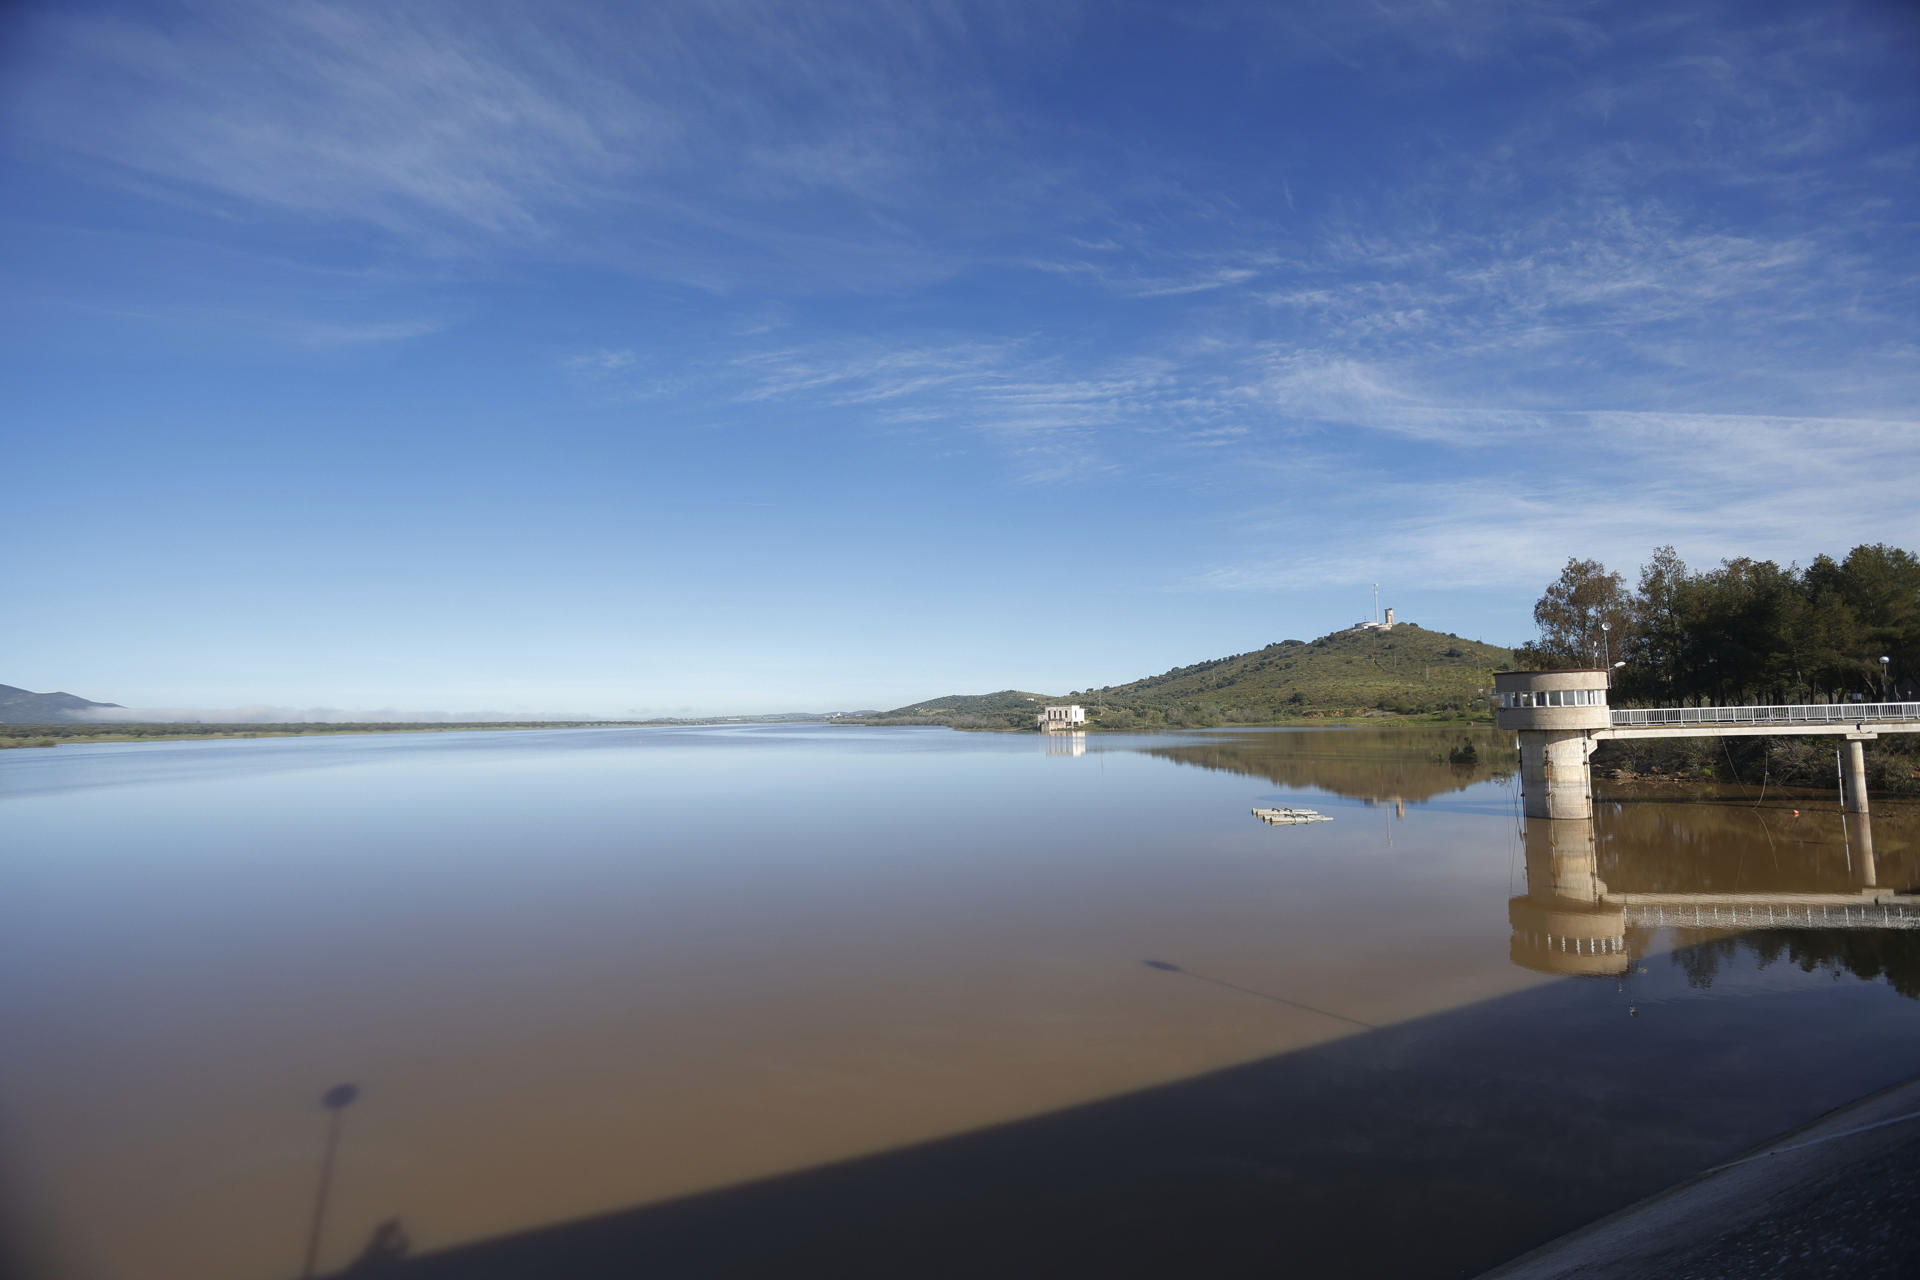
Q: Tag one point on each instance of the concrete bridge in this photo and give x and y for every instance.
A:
(1560, 716)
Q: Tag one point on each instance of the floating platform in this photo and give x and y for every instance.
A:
(1290, 817)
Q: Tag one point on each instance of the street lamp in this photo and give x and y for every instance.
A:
(1886, 686)
(1606, 652)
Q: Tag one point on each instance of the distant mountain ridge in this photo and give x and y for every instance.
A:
(23, 706)
(1407, 670)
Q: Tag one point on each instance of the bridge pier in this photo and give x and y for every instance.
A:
(1856, 775)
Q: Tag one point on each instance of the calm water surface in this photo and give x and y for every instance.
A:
(586, 973)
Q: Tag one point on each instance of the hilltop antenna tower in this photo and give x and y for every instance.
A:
(1376, 602)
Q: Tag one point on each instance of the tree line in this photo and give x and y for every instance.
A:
(1743, 632)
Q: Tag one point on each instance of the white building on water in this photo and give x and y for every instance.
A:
(1059, 719)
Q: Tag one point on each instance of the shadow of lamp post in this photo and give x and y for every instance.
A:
(335, 1100)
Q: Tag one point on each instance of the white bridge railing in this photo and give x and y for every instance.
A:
(1828, 713)
(1865, 916)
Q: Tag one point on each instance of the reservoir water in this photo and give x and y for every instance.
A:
(757, 999)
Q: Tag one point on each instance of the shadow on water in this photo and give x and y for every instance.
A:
(1166, 966)
(334, 1102)
(383, 1253)
(1437, 1147)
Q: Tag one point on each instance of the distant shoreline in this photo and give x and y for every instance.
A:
(54, 735)
(1354, 721)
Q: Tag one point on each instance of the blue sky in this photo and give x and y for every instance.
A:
(719, 357)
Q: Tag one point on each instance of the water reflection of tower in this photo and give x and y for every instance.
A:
(1561, 925)
(1571, 922)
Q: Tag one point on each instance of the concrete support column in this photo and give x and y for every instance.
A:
(1856, 776)
(1554, 779)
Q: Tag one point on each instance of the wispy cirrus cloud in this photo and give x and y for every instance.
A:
(1055, 421)
(385, 115)
(714, 144)
(1386, 465)
(601, 360)
(279, 327)
(322, 334)
(1602, 484)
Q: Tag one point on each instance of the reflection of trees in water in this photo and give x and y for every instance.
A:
(1867, 954)
(1367, 764)
(1698, 847)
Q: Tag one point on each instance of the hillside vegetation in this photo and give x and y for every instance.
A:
(1008, 709)
(1406, 671)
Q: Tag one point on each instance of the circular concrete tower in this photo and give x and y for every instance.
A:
(1555, 714)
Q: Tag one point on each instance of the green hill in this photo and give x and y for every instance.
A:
(1008, 709)
(1406, 671)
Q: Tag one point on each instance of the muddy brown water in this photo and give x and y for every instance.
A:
(656, 995)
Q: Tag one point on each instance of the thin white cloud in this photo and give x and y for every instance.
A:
(332, 335)
(1615, 486)
(600, 360)
(726, 146)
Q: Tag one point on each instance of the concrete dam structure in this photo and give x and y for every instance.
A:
(1560, 716)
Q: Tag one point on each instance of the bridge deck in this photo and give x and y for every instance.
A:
(1849, 719)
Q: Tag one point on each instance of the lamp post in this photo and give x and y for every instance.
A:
(1606, 652)
(1886, 686)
